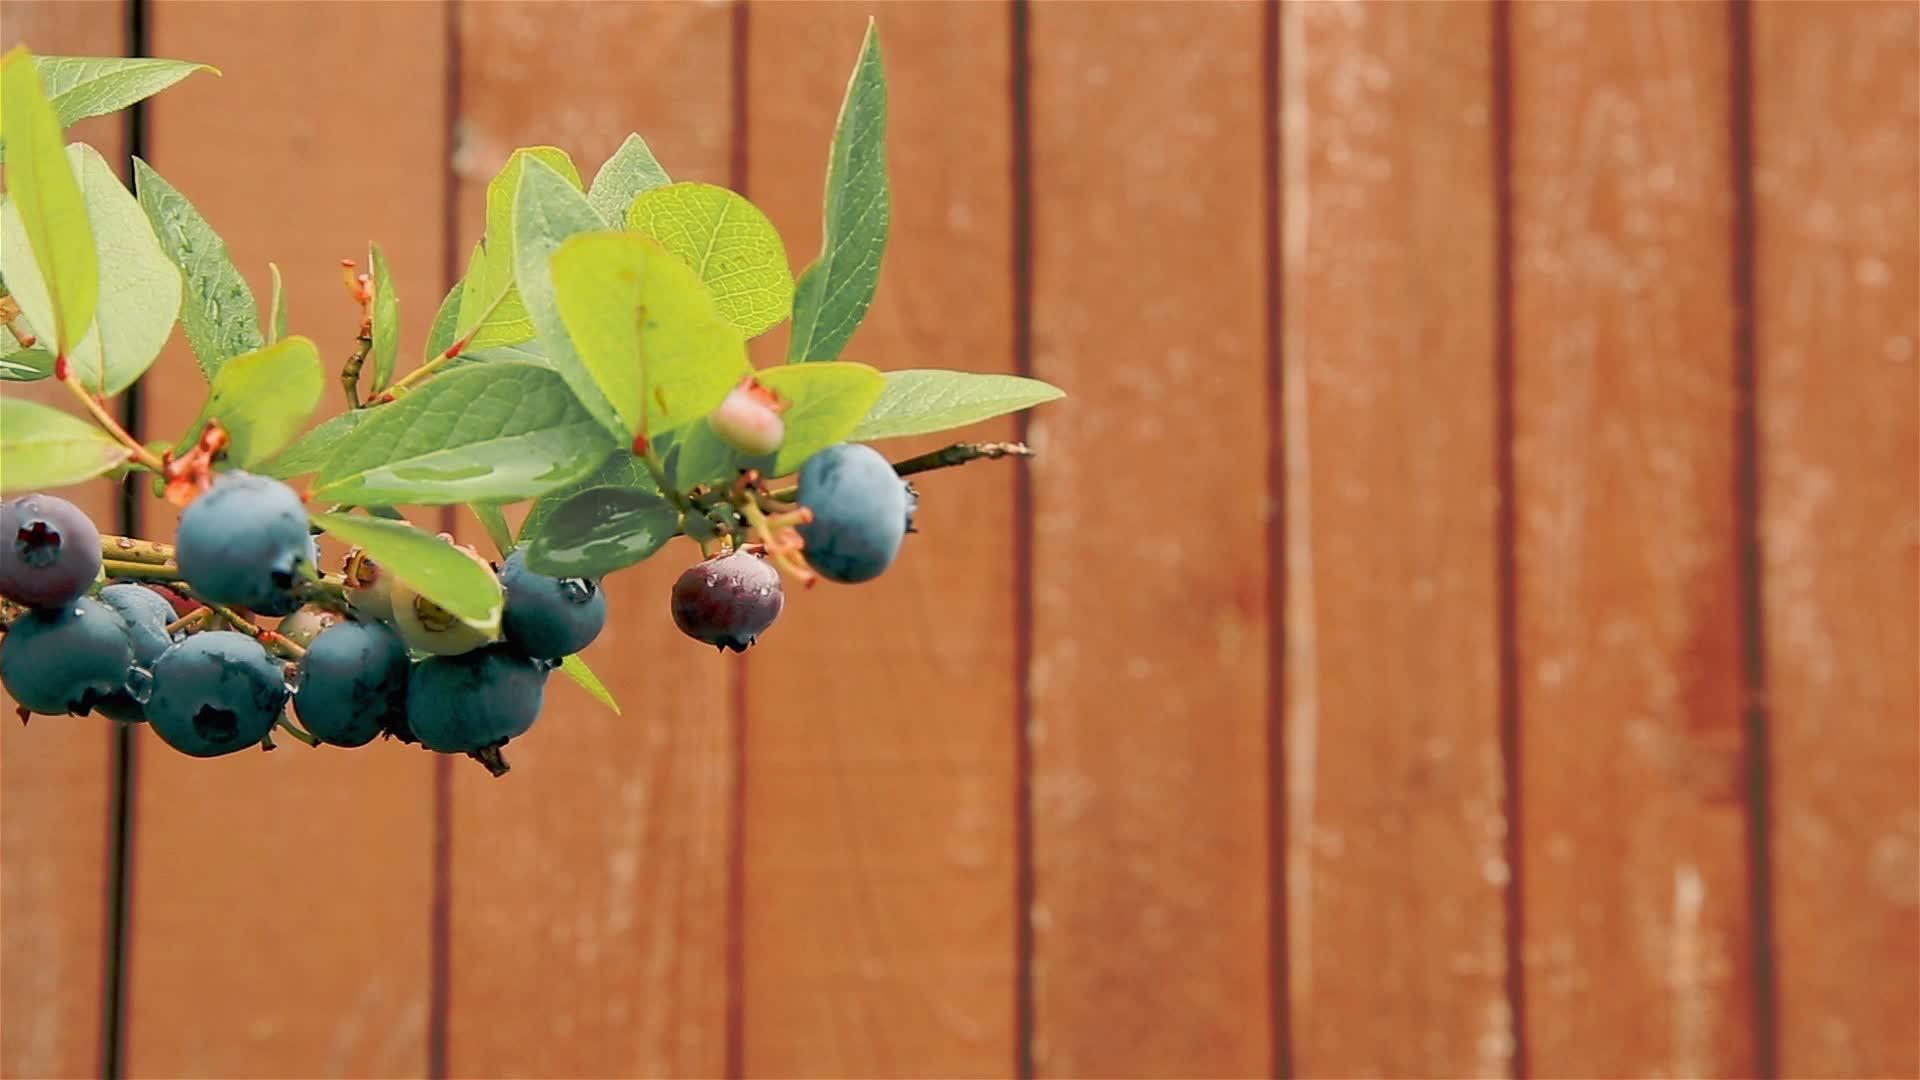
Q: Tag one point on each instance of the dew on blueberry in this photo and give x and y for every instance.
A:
(550, 617)
(728, 600)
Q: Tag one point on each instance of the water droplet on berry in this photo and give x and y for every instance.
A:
(139, 684)
(576, 590)
(292, 675)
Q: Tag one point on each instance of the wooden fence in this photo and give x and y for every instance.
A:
(1463, 622)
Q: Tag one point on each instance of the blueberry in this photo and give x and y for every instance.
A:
(215, 693)
(146, 614)
(550, 617)
(353, 683)
(49, 551)
(459, 704)
(67, 659)
(749, 419)
(728, 600)
(308, 623)
(244, 542)
(861, 511)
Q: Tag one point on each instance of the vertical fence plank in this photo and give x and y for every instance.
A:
(1637, 927)
(56, 774)
(279, 911)
(880, 740)
(590, 885)
(1149, 682)
(1396, 870)
(1836, 141)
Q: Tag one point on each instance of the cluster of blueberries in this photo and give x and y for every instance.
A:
(387, 661)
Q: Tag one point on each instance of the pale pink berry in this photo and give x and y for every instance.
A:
(749, 419)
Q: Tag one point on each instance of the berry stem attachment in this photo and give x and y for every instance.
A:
(144, 457)
(295, 730)
(277, 643)
(197, 619)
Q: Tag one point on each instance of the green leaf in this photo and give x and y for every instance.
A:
(44, 448)
(386, 319)
(577, 670)
(23, 365)
(597, 531)
(495, 523)
(424, 563)
(919, 402)
(491, 311)
(440, 334)
(139, 287)
(825, 402)
(277, 311)
(646, 329)
(620, 469)
(44, 197)
(264, 397)
(834, 293)
(549, 210)
(84, 86)
(220, 316)
(631, 171)
(313, 450)
(732, 246)
(493, 432)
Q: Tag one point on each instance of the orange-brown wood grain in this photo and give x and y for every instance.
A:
(1837, 285)
(1150, 685)
(280, 901)
(56, 774)
(1394, 796)
(880, 734)
(1637, 931)
(590, 886)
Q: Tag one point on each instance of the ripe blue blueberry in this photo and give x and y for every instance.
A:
(478, 699)
(353, 683)
(728, 600)
(861, 511)
(550, 617)
(66, 660)
(49, 551)
(244, 542)
(215, 693)
(146, 614)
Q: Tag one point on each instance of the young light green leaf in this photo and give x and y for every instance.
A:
(440, 334)
(264, 397)
(219, 313)
(631, 171)
(825, 402)
(424, 563)
(138, 286)
(834, 293)
(494, 521)
(646, 328)
(547, 211)
(386, 319)
(732, 246)
(84, 86)
(313, 450)
(45, 198)
(494, 432)
(600, 530)
(576, 669)
(491, 311)
(919, 402)
(277, 311)
(44, 448)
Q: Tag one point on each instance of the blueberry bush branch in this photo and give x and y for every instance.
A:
(590, 369)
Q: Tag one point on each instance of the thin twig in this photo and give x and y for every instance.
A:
(146, 458)
(943, 458)
(134, 549)
(296, 731)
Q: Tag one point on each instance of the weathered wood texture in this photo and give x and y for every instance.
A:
(1149, 679)
(590, 887)
(1836, 180)
(279, 907)
(1637, 927)
(56, 774)
(878, 931)
(812, 861)
(1395, 821)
